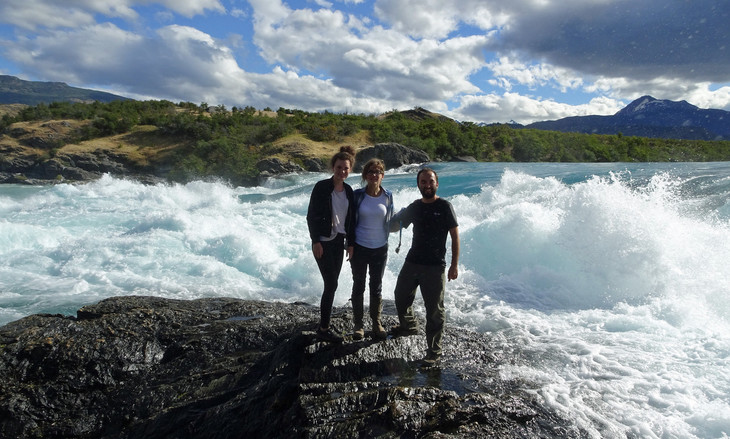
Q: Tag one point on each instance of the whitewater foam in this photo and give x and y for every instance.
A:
(606, 284)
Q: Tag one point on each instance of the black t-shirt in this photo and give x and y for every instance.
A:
(431, 224)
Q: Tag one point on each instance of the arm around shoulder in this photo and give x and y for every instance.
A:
(397, 222)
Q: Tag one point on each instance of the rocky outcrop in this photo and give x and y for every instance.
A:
(133, 367)
(314, 165)
(48, 135)
(273, 166)
(85, 166)
(393, 155)
(464, 158)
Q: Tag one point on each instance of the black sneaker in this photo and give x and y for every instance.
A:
(329, 335)
(399, 331)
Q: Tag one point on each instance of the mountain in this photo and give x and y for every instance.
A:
(17, 91)
(650, 117)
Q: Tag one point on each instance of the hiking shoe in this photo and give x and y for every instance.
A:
(329, 335)
(359, 334)
(379, 332)
(399, 331)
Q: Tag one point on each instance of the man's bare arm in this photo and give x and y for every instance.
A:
(455, 245)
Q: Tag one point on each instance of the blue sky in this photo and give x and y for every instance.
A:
(473, 60)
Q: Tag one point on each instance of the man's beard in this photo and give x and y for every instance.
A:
(428, 193)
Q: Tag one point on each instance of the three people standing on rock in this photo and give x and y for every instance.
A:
(365, 219)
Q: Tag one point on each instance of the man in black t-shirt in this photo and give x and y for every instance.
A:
(433, 219)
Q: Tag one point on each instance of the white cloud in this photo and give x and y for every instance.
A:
(534, 75)
(476, 53)
(704, 97)
(52, 14)
(181, 60)
(663, 88)
(190, 8)
(239, 13)
(378, 62)
(323, 3)
(419, 18)
(438, 19)
(77, 56)
(525, 110)
(180, 64)
(267, 12)
(307, 92)
(30, 14)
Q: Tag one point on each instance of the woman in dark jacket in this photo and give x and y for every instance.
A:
(331, 223)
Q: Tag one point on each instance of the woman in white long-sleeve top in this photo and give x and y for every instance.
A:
(373, 210)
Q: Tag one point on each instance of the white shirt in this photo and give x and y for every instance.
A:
(370, 231)
(340, 204)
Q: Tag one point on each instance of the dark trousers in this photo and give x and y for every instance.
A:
(432, 280)
(374, 259)
(330, 265)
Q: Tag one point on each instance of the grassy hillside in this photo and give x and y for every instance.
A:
(194, 141)
(17, 91)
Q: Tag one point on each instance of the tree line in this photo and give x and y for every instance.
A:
(228, 143)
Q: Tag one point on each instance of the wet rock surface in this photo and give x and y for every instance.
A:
(147, 367)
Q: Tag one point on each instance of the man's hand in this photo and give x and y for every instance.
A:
(453, 272)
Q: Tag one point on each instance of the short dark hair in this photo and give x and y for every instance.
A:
(418, 176)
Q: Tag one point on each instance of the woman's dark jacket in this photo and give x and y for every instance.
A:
(319, 213)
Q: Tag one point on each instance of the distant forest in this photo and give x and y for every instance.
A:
(222, 141)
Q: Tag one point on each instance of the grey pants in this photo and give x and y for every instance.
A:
(432, 280)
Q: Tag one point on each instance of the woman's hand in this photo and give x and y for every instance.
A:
(317, 250)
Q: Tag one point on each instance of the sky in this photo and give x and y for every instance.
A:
(481, 61)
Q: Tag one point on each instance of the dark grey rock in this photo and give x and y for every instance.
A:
(47, 141)
(80, 167)
(16, 164)
(314, 165)
(100, 163)
(59, 168)
(464, 158)
(147, 367)
(274, 166)
(394, 155)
